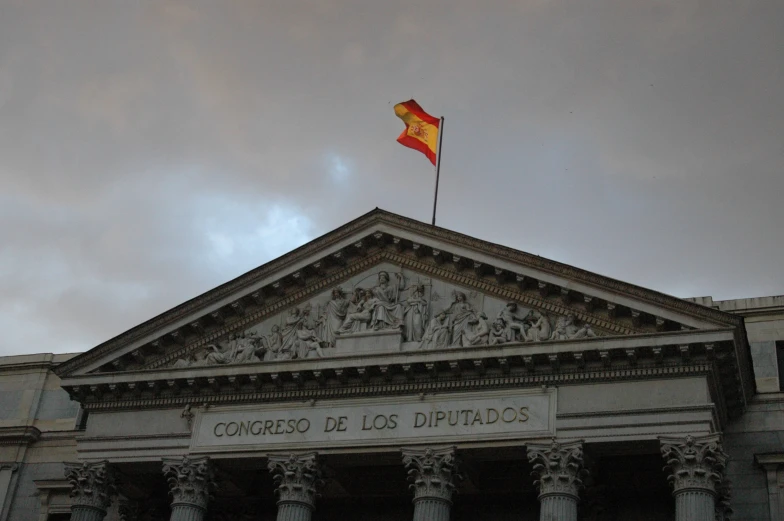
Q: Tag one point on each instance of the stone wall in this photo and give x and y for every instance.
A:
(759, 431)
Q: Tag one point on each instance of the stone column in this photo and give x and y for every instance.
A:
(432, 473)
(191, 481)
(297, 479)
(696, 466)
(92, 489)
(558, 469)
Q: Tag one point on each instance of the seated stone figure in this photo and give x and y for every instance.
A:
(477, 331)
(540, 328)
(499, 333)
(565, 329)
(437, 334)
(359, 319)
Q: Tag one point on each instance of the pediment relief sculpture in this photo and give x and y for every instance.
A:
(389, 310)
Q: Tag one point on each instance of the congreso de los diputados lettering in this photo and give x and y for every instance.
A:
(392, 370)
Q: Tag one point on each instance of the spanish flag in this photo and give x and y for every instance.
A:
(421, 131)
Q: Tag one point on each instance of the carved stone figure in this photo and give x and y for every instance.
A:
(477, 331)
(223, 354)
(239, 349)
(513, 323)
(289, 331)
(359, 319)
(273, 345)
(540, 329)
(415, 315)
(333, 316)
(462, 316)
(437, 334)
(247, 346)
(499, 333)
(565, 329)
(387, 310)
(194, 359)
(307, 342)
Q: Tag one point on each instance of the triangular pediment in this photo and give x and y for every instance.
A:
(398, 284)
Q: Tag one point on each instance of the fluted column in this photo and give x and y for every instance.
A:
(432, 473)
(297, 479)
(558, 469)
(191, 481)
(92, 489)
(696, 466)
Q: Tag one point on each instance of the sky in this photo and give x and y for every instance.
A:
(153, 149)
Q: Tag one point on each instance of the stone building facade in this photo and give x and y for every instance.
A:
(392, 370)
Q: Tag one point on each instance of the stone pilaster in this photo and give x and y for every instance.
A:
(433, 473)
(558, 469)
(92, 489)
(696, 466)
(191, 481)
(297, 479)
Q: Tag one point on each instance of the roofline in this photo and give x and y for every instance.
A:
(378, 215)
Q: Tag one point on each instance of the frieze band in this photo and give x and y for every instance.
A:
(393, 303)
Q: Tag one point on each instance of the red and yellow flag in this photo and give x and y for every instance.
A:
(421, 131)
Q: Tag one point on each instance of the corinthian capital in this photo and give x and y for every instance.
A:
(432, 472)
(297, 478)
(92, 484)
(191, 480)
(558, 468)
(694, 462)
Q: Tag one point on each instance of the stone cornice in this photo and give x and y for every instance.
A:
(638, 357)
(366, 222)
(562, 348)
(468, 383)
(22, 435)
(767, 460)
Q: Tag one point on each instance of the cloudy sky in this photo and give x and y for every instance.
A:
(150, 150)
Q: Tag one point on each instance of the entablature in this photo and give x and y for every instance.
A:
(646, 356)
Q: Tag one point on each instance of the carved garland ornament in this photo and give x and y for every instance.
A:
(432, 472)
(297, 478)
(92, 484)
(191, 480)
(558, 468)
(694, 462)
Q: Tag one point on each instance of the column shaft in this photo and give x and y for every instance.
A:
(431, 509)
(85, 513)
(694, 505)
(294, 512)
(187, 513)
(558, 508)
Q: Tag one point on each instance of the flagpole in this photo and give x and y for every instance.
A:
(438, 166)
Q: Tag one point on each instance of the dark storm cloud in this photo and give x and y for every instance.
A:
(152, 150)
